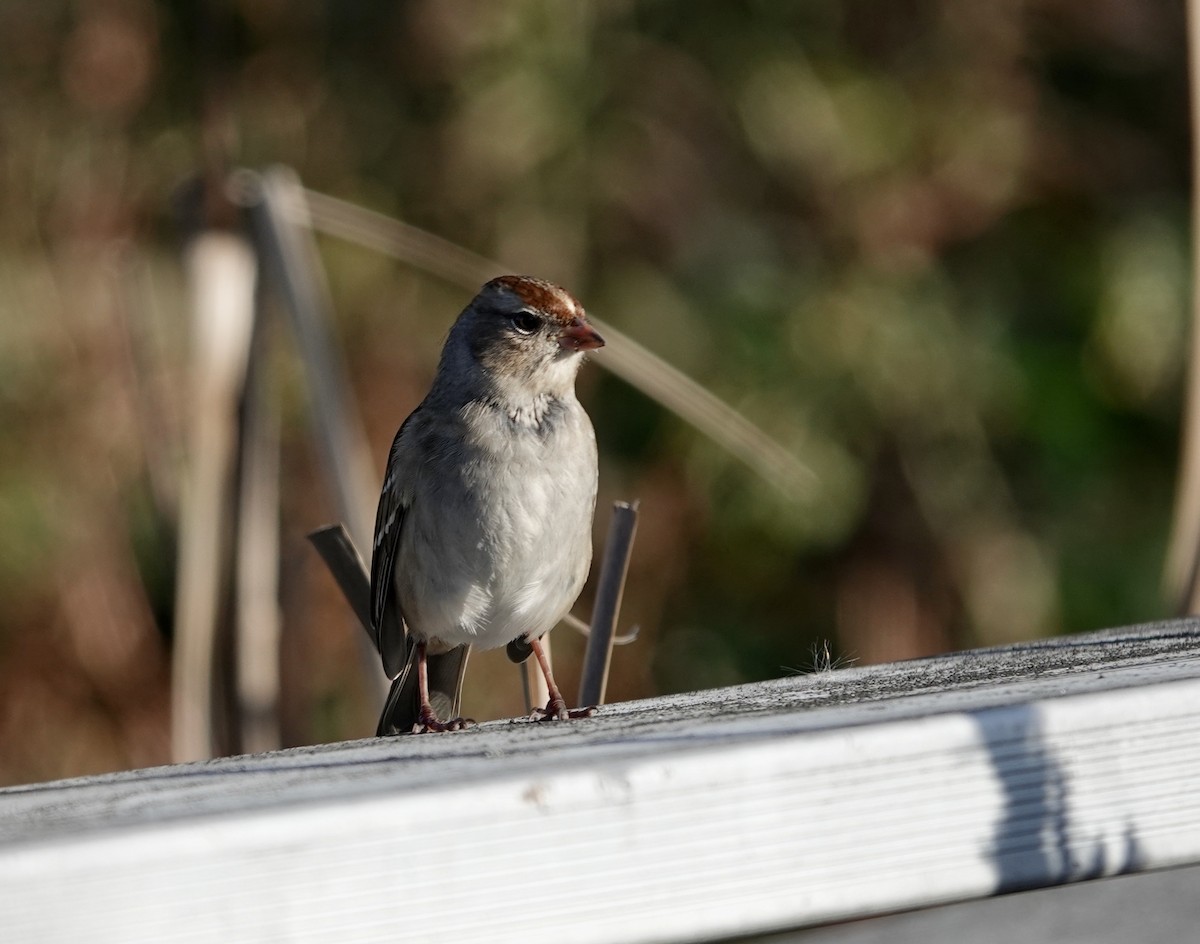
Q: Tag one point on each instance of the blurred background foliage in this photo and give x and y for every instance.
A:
(937, 249)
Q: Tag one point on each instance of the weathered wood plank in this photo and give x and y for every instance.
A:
(776, 805)
(1159, 907)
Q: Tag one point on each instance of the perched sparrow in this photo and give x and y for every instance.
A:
(483, 533)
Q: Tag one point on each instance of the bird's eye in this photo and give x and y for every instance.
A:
(526, 322)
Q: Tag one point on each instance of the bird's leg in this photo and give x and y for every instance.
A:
(427, 719)
(556, 708)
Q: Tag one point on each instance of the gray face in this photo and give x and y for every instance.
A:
(514, 339)
(524, 327)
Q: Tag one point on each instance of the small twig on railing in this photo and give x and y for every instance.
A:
(575, 623)
(594, 676)
(336, 548)
(611, 586)
(446, 670)
(342, 558)
(519, 649)
(526, 687)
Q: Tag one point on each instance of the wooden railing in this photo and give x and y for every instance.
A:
(783, 804)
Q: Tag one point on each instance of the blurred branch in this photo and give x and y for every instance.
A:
(258, 619)
(1183, 556)
(391, 237)
(221, 272)
(277, 210)
(276, 203)
(623, 356)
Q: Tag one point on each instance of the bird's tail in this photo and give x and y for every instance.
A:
(402, 710)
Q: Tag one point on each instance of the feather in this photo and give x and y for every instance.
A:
(387, 618)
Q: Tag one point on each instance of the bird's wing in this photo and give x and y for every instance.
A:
(387, 619)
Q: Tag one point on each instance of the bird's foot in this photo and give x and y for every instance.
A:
(556, 710)
(429, 723)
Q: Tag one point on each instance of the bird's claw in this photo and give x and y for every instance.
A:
(429, 724)
(556, 710)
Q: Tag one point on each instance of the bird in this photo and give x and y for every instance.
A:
(483, 529)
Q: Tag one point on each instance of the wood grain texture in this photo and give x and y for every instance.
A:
(776, 805)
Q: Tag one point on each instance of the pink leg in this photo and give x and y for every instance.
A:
(556, 708)
(429, 723)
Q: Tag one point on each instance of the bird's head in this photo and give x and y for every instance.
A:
(526, 333)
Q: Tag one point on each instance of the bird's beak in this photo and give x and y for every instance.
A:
(579, 336)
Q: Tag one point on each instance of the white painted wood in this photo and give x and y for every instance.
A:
(777, 805)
